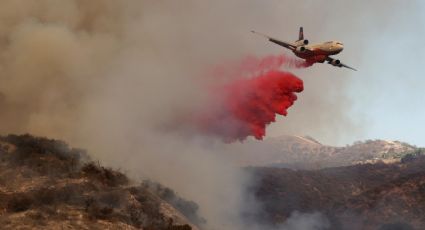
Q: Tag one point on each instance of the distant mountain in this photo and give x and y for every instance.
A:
(307, 153)
(367, 196)
(44, 184)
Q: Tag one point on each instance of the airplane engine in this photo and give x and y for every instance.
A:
(300, 49)
(305, 42)
(335, 63)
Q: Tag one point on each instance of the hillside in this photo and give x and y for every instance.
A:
(367, 196)
(46, 184)
(306, 153)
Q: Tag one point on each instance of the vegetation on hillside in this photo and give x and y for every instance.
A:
(366, 196)
(46, 184)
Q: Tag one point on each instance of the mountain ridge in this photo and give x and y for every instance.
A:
(299, 152)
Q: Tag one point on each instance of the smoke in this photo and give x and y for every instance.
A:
(306, 221)
(108, 76)
(52, 54)
(56, 57)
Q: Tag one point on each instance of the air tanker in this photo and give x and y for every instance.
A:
(312, 53)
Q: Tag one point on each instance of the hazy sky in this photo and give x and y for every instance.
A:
(384, 41)
(389, 89)
(56, 57)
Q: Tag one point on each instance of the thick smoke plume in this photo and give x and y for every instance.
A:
(105, 74)
(245, 107)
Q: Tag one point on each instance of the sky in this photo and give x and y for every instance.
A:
(383, 40)
(392, 97)
(87, 43)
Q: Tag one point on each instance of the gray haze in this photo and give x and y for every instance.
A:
(59, 59)
(108, 75)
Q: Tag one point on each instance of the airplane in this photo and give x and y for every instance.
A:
(314, 53)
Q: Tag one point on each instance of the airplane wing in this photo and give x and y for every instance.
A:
(337, 63)
(287, 45)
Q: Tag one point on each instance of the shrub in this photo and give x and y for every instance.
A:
(104, 175)
(19, 203)
(40, 153)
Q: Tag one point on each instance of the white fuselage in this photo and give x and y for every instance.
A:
(318, 52)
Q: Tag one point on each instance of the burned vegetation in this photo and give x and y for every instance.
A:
(365, 196)
(46, 184)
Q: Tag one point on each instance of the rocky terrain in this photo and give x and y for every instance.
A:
(366, 196)
(44, 184)
(298, 152)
